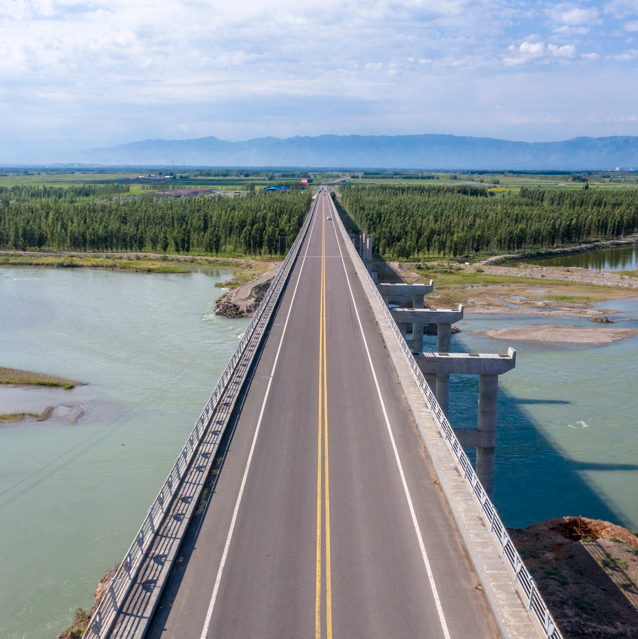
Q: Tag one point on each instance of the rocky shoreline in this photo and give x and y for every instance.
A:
(244, 300)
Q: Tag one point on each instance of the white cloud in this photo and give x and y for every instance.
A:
(625, 55)
(631, 26)
(569, 14)
(534, 51)
(565, 30)
(567, 51)
(622, 8)
(184, 68)
(606, 118)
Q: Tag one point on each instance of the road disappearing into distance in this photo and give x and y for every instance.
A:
(323, 518)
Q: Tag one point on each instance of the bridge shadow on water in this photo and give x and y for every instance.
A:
(534, 480)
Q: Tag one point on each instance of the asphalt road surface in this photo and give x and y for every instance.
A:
(323, 518)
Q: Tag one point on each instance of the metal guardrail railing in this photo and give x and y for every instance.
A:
(118, 588)
(521, 575)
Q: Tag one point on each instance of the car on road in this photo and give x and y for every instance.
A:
(329, 217)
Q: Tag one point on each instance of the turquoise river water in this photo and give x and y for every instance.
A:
(73, 496)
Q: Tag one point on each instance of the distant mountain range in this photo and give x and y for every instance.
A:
(425, 152)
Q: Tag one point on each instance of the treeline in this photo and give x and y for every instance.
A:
(411, 221)
(22, 193)
(254, 224)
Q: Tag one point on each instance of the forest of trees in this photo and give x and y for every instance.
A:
(413, 221)
(24, 193)
(252, 224)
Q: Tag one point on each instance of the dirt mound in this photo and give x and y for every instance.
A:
(586, 570)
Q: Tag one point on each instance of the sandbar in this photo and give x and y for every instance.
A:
(562, 334)
(16, 377)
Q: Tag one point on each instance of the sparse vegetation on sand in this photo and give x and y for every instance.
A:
(10, 418)
(16, 377)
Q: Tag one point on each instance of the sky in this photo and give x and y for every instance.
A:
(102, 73)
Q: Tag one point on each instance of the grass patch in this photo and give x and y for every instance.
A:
(612, 562)
(33, 381)
(571, 298)
(118, 263)
(15, 377)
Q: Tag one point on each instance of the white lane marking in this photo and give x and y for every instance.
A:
(426, 561)
(211, 605)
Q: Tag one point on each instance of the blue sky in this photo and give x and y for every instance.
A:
(123, 70)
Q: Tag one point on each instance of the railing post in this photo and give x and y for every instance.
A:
(111, 591)
(96, 623)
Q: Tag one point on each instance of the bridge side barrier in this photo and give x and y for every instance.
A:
(118, 588)
(523, 578)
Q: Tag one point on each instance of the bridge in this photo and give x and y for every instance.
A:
(322, 492)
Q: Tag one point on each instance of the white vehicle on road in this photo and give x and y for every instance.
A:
(329, 217)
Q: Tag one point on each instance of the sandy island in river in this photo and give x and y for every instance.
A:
(16, 377)
(563, 334)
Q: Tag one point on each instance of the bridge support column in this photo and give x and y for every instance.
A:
(418, 301)
(443, 338)
(488, 368)
(485, 452)
(430, 378)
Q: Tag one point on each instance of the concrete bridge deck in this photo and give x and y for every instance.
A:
(324, 518)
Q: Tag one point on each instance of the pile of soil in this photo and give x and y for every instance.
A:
(586, 570)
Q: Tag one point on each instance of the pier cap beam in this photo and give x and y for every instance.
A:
(466, 363)
(427, 315)
(404, 293)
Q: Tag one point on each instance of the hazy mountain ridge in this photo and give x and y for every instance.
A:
(355, 151)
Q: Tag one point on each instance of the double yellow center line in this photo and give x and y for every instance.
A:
(322, 459)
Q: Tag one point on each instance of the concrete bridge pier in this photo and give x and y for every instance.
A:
(443, 339)
(488, 367)
(485, 452)
(444, 318)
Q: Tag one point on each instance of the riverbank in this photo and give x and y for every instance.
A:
(17, 377)
(133, 261)
(587, 571)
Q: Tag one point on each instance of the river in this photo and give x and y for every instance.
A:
(73, 496)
